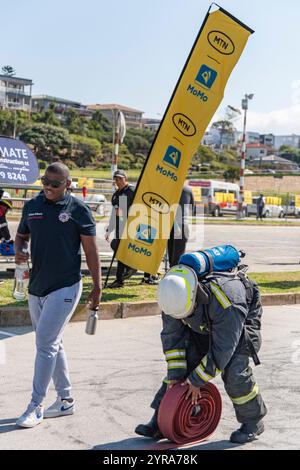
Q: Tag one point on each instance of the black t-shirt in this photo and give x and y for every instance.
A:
(55, 229)
(121, 199)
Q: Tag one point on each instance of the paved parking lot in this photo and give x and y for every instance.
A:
(116, 372)
(268, 248)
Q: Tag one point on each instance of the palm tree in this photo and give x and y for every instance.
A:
(8, 70)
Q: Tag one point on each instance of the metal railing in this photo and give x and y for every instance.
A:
(14, 91)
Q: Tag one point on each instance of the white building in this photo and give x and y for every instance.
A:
(15, 92)
(133, 117)
(292, 140)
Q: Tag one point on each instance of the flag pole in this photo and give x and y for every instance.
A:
(116, 143)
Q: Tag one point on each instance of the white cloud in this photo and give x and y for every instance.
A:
(281, 121)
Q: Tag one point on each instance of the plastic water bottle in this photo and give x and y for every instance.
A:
(21, 280)
(91, 324)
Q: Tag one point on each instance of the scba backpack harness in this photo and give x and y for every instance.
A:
(224, 261)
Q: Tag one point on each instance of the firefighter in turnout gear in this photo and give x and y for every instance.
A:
(6, 243)
(212, 326)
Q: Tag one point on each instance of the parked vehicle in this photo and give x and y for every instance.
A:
(97, 202)
(270, 210)
(291, 210)
(217, 197)
(269, 171)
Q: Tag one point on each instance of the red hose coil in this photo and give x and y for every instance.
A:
(175, 418)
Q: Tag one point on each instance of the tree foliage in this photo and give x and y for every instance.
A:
(85, 151)
(47, 141)
(82, 139)
(9, 118)
(231, 174)
(290, 153)
(46, 117)
(204, 155)
(8, 70)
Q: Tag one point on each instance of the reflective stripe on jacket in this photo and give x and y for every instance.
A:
(227, 312)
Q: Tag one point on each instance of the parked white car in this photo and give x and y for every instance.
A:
(97, 202)
(292, 210)
(270, 210)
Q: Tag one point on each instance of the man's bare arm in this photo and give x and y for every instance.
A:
(20, 244)
(90, 248)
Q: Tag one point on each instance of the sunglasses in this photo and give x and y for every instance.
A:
(53, 183)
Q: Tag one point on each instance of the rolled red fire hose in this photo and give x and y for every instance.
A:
(175, 417)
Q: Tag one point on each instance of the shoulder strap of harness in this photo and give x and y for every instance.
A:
(239, 273)
(242, 274)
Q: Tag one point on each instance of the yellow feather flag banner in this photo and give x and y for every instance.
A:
(196, 97)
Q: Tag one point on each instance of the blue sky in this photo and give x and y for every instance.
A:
(132, 52)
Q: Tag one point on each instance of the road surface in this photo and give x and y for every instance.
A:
(116, 372)
(268, 248)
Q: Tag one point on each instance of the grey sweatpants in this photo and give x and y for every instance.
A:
(49, 316)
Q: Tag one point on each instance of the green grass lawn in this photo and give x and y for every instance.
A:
(133, 291)
(133, 175)
(278, 283)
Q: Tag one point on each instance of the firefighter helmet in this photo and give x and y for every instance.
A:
(177, 291)
(6, 199)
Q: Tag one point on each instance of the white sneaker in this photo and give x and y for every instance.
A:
(60, 408)
(32, 416)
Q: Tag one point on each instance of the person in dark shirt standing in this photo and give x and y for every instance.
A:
(180, 231)
(57, 224)
(260, 205)
(121, 201)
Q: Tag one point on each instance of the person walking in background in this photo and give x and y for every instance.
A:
(179, 234)
(121, 201)
(260, 204)
(180, 231)
(57, 225)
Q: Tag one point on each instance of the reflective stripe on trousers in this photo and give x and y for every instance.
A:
(244, 399)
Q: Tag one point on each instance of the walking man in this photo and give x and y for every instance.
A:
(180, 231)
(260, 204)
(57, 225)
(121, 201)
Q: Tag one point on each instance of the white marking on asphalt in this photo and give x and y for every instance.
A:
(7, 334)
(2, 353)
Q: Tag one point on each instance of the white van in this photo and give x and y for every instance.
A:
(217, 197)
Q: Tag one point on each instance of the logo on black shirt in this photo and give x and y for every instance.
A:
(64, 216)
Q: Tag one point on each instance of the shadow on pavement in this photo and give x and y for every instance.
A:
(140, 443)
(134, 443)
(282, 264)
(8, 425)
(7, 332)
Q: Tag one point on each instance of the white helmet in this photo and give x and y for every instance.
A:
(6, 199)
(177, 291)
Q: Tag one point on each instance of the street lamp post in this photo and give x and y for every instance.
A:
(240, 213)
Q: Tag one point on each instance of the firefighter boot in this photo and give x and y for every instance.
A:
(150, 429)
(247, 432)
